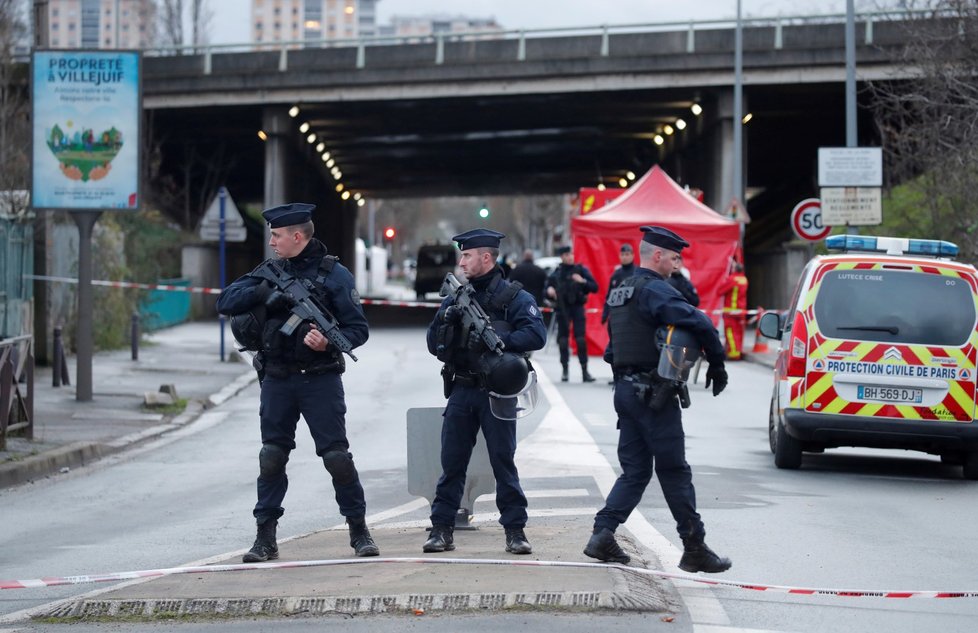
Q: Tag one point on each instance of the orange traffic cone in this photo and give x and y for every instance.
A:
(760, 342)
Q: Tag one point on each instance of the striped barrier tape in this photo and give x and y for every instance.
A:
(155, 573)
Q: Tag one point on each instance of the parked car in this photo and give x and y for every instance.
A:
(878, 349)
(434, 262)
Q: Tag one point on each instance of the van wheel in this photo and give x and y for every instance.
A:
(971, 466)
(772, 438)
(787, 450)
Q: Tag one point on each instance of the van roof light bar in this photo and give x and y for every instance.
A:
(891, 245)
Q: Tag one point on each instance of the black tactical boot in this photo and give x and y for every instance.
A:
(587, 377)
(360, 539)
(603, 546)
(265, 547)
(516, 542)
(563, 376)
(442, 539)
(698, 557)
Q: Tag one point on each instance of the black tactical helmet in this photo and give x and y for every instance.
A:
(505, 374)
(247, 328)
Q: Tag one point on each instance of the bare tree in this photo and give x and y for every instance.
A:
(172, 22)
(929, 124)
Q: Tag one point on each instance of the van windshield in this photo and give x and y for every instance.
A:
(895, 306)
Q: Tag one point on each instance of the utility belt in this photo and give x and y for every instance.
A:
(464, 377)
(284, 370)
(655, 392)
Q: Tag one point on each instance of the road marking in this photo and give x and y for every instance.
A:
(579, 453)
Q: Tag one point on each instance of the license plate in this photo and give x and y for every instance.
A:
(890, 394)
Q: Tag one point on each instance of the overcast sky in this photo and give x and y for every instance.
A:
(230, 23)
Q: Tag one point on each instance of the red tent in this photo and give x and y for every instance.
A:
(654, 199)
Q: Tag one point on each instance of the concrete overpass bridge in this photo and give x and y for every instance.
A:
(514, 113)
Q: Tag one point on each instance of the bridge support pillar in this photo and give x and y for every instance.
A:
(721, 191)
(275, 123)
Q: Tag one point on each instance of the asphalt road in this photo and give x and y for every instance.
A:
(849, 519)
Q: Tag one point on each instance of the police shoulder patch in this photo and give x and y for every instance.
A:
(533, 310)
(354, 296)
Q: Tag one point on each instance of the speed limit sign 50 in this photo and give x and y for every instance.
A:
(806, 220)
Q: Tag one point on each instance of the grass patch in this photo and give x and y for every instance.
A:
(168, 409)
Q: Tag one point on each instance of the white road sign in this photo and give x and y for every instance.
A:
(231, 233)
(850, 167)
(852, 205)
(210, 224)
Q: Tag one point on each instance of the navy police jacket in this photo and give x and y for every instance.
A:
(336, 290)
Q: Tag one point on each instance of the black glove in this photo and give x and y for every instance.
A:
(264, 290)
(474, 341)
(717, 375)
(452, 314)
(278, 300)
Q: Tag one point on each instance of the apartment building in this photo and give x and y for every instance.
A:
(127, 24)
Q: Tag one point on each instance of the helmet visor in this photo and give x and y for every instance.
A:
(675, 361)
(516, 406)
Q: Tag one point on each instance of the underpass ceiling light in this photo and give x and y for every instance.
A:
(601, 186)
(294, 111)
(345, 195)
(623, 182)
(361, 202)
(325, 156)
(311, 138)
(337, 174)
(329, 161)
(630, 174)
(696, 109)
(747, 117)
(357, 196)
(339, 187)
(304, 127)
(321, 147)
(262, 135)
(680, 124)
(668, 129)
(658, 140)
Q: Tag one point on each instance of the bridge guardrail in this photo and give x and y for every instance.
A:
(775, 40)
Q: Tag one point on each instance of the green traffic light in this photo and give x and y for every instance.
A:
(484, 212)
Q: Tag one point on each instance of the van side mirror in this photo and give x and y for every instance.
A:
(771, 325)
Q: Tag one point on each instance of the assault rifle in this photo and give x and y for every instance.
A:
(304, 306)
(474, 318)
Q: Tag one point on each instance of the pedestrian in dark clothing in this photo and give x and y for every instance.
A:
(471, 407)
(569, 285)
(680, 282)
(301, 374)
(653, 438)
(531, 276)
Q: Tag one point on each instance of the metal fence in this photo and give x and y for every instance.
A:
(16, 387)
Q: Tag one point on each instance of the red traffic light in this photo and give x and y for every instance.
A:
(389, 233)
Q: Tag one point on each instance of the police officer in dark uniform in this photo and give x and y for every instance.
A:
(627, 258)
(570, 285)
(685, 287)
(654, 438)
(301, 374)
(517, 321)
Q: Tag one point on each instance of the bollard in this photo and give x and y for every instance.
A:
(57, 358)
(134, 335)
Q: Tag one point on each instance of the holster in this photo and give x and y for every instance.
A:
(258, 362)
(447, 378)
(655, 392)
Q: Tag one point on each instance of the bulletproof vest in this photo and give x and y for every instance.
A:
(495, 300)
(572, 294)
(281, 349)
(632, 336)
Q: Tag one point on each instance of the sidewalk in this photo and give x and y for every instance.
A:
(69, 434)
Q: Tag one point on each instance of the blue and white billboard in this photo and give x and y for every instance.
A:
(86, 114)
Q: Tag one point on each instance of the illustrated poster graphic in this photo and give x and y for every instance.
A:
(86, 107)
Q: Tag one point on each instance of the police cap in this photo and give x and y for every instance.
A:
(288, 214)
(626, 248)
(663, 238)
(478, 238)
(560, 250)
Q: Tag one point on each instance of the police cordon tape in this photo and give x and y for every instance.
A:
(751, 314)
(156, 573)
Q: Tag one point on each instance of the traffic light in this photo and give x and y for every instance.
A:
(389, 233)
(484, 211)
